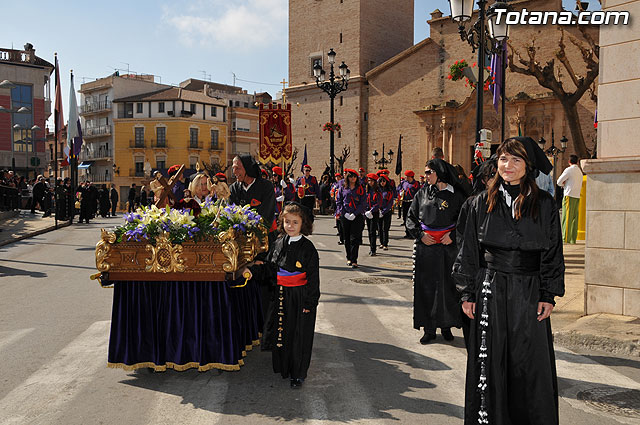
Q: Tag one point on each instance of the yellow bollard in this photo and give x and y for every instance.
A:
(582, 214)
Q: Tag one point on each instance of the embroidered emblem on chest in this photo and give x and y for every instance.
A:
(443, 205)
(298, 265)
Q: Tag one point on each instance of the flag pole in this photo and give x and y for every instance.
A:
(503, 77)
(56, 114)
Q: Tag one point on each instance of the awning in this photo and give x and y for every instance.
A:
(85, 164)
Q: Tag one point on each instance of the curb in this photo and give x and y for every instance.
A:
(36, 233)
(574, 339)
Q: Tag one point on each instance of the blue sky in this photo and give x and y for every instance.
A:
(175, 40)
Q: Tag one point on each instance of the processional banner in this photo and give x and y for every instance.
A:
(275, 134)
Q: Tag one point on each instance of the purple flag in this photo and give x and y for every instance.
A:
(498, 62)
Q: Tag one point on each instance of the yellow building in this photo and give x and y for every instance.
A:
(156, 130)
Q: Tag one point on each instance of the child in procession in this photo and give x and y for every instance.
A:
(293, 266)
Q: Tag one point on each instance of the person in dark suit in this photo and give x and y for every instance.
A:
(132, 197)
(93, 199)
(84, 192)
(105, 204)
(113, 194)
(38, 194)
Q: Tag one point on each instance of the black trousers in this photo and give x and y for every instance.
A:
(340, 230)
(309, 202)
(352, 236)
(114, 205)
(372, 229)
(399, 206)
(405, 211)
(132, 205)
(384, 224)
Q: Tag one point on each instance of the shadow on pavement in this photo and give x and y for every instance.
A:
(71, 266)
(603, 360)
(349, 299)
(10, 271)
(356, 381)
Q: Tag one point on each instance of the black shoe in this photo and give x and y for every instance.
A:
(407, 237)
(340, 243)
(446, 334)
(427, 337)
(354, 265)
(296, 383)
(348, 263)
(372, 254)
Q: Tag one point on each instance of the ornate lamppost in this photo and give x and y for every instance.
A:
(382, 162)
(481, 39)
(332, 88)
(553, 150)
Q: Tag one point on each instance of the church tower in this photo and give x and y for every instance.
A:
(364, 34)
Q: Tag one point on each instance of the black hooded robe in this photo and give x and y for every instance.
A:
(435, 301)
(522, 261)
(293, 357)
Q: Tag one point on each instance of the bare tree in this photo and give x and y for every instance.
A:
(346, 152)
(551, 78)
(214, 168)
(289, 167)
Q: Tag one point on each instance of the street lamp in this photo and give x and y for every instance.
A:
(382, 162)
(553, 150)
(479, 38)
(332, 88)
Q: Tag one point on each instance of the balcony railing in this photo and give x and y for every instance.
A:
(215, 147)
(159, 143)
(92, 108)
(100, 178)
(102, 153)
(140, 144)
(103, 130)
(136, 173)
(194, 144)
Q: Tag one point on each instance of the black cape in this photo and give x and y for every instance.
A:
(525, 265)
(435, 301)
(292, 359)
(260, 196)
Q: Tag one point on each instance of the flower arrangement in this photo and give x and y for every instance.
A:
(334, 127)
(146, 224)
(456, 72)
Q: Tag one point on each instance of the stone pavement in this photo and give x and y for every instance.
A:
(601, 331)
(24, 225)
(605, 332)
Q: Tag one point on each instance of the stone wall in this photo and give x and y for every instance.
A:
(612, 258)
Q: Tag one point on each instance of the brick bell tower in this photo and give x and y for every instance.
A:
(364, 34)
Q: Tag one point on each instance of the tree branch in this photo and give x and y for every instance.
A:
(562, 57)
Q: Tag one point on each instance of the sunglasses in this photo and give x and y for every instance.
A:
(428, 172)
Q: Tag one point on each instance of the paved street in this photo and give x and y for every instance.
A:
(367, 368)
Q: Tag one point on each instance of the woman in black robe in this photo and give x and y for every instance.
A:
(431, 222)
(509, 269)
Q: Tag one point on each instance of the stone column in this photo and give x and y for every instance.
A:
(612, 254)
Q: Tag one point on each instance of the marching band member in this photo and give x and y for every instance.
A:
(372, 213)
(284, 190)
(335, 187)
(408, 190)
(387, 196)
(351, 200)
(308, 189)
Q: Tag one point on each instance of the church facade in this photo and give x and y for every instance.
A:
(401, 88)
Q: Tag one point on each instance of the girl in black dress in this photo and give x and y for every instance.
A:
(509, 269)
(293, 266)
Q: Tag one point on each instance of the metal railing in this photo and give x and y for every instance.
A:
(159, 143)
(194, 144)
(103, 130)
(215, 147)
(136, 173)
(90, 108)
(137, 143)
(100, 178)
(102, 153)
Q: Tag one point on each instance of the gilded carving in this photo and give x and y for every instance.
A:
(102, 250)
(165, 257)
(230, 249)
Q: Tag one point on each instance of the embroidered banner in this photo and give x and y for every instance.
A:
(275, 134)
